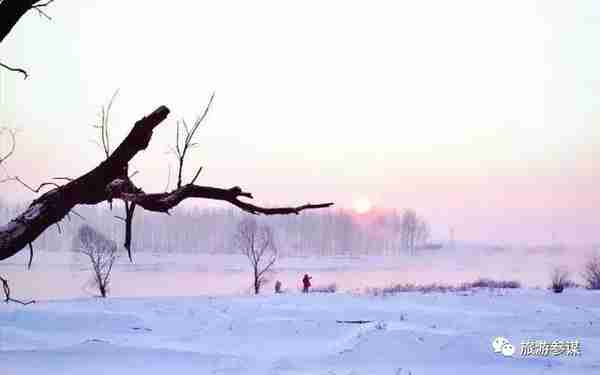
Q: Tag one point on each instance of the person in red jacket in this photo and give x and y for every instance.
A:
(306, 283)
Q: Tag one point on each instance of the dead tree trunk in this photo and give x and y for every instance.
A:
(109, 181)
(91, 188)
(11, 12)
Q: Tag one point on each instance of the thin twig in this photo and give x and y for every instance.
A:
(40, 11)
(7, 297)
(196, 176)
(16, 178)
(78, 215)
(17, 70)
(182, 149)
(30, 256)
(13, 145)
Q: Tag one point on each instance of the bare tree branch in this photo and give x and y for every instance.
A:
(37, 190)
(196, 176)
(13, 144)
(129, 207)
(17, 70)
(30, 256)
(181, 149)
(163, 202)
(104, 126)
(11, 12)
(90, 188)
(40, 10)
(129, 212)
(7, 297)
(77, 214)
(109, 181)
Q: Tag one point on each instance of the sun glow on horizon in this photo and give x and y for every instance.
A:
(362, 205)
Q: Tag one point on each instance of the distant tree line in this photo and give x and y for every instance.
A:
(210, 230)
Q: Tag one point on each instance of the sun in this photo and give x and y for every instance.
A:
(362, 205)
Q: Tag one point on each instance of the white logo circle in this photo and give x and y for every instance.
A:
(508, 350)
(498, 343)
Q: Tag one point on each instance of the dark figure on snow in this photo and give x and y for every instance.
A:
(278, 287)
(306, 283)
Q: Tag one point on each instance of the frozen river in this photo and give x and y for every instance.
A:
(60, 275)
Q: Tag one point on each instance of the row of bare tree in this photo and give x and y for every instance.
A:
(209, 230)
(254, 240)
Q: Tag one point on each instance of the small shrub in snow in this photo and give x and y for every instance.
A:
(331, 288)
(591, 272)
(444, 288)
(560, 279)
(495, 284)
(428, 288)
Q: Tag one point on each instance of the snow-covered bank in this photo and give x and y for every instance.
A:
(190, 314)
(62, 275)
(299, 334)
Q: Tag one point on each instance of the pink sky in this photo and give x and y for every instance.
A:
(480, 115)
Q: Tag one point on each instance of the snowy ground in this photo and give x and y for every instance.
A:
(411, 333)
(191, 314)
